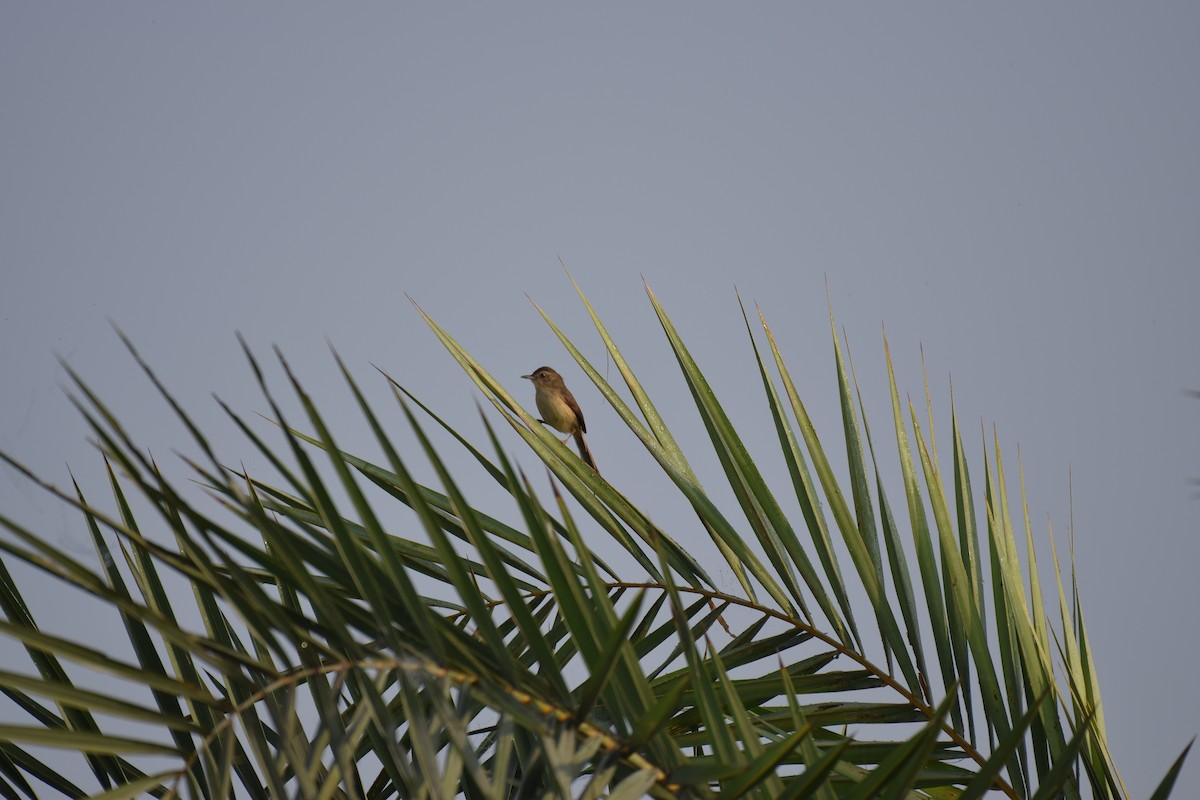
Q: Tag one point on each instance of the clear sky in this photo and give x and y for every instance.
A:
(1015, 187)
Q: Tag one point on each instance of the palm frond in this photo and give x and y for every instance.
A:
(341, 653)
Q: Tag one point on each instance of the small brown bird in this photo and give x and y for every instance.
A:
(559, 409)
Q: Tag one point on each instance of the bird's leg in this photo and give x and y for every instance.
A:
(564, 441)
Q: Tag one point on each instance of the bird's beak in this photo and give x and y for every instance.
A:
(527, 377)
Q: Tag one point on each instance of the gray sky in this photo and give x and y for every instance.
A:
(1016, 188)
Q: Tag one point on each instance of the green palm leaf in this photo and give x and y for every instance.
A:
(335, 651)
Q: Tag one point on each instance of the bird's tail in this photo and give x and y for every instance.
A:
(584, 452)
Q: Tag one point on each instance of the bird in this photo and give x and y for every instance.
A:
(559, 409)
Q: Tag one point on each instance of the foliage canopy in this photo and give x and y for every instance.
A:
(870, 650)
